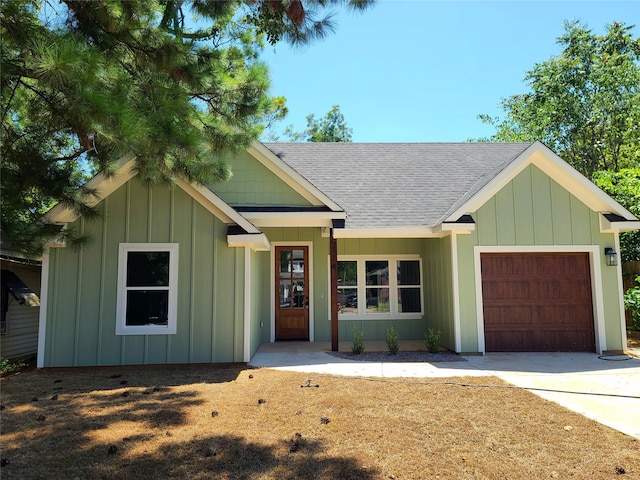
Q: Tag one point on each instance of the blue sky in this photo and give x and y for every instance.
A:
(421, 71)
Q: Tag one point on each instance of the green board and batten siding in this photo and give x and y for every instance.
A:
(81, 307)
(438, 289)
(533, 210)
(254, 184)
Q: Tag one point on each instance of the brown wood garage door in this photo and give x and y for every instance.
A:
(537, 302)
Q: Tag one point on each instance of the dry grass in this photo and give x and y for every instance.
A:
(377, 428)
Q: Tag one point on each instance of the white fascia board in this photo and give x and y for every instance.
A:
(560, 171)
(104, 185)
(216, 205)
(255, 241)
(293, 219)
(452, 227)
(391, 232)
(291, 177)
(607, 226)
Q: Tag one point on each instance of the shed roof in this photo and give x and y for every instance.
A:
(398, 184)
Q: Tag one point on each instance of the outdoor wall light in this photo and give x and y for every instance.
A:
(612, 256)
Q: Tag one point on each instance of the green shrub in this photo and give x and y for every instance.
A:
(632, 303)
(7, 366)
(432, 340)
(358, 342)
(392, 341)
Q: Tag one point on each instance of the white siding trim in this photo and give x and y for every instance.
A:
(44, 300)
(623, 321)
(456, 293)
(272, 287)
(596, 283)
(247, 304)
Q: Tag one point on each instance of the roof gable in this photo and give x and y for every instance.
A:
(105, 185)
(551, 164)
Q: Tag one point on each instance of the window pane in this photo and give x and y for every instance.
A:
(147, 269)
(409, 300)
(348, 300)
(377, 272)
(347, 273)
(408, 272)
(147, 307)
(298, 293)
(377, 300)
(285, 263)
(285, 293)
(298, 263)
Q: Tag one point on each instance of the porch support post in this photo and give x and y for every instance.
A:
(333, 295)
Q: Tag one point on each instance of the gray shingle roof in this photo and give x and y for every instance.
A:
(398, 184)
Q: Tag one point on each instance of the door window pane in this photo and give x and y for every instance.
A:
(285, 263)
(285, 293)
(297, 267)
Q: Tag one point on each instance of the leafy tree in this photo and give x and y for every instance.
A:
(84, 82)
(624, 186)
(584, 103)
(330, 128)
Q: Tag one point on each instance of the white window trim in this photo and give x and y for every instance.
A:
(121, 306)
(393, 313)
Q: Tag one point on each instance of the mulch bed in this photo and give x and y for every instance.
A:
(401, 357)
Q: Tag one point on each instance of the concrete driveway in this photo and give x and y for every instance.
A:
(605, 389)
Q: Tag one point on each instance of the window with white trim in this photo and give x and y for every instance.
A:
(147, 289)
(371, 287)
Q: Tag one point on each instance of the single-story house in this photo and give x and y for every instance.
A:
(19, 305)
(500, 247)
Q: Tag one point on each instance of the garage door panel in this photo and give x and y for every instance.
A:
(537, 302)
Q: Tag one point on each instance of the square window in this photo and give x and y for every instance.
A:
(147, 289)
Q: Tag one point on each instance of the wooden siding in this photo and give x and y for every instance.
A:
(253, 184)
(534, 210)
(21, 339)
(81, 311)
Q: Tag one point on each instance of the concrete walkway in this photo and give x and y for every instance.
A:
(605, 389)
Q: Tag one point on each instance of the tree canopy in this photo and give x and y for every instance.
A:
(330, 128)
(583, 103)
(624, 186)
(177, 83)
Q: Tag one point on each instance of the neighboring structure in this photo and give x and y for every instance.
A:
(501, 247)
(19, 306)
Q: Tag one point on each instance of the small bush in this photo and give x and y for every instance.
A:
(392, 341)
(7, 366)
(358, 342)
(432, 340)
(632, 303)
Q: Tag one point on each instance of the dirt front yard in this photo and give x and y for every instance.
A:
(197, 422)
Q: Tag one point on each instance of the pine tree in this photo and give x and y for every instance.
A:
(177, 83)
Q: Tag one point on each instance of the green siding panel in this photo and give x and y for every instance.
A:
(438, 289)
(253, 184)
(81, 317)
